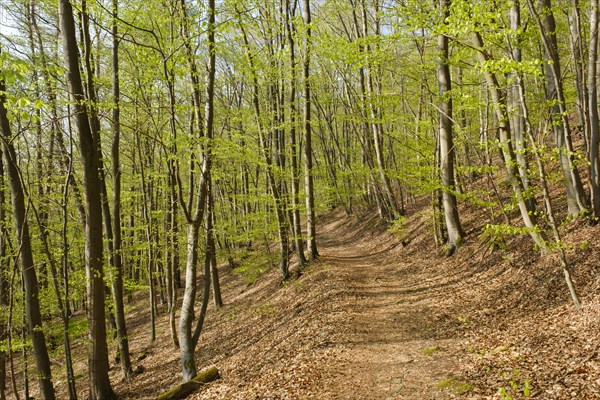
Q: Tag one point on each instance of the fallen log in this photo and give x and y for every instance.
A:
(187, 388)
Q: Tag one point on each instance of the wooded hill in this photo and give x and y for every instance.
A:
(144, 142)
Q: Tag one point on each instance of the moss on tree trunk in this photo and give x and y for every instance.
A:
(187, 388)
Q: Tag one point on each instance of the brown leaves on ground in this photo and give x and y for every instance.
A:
(384, 316)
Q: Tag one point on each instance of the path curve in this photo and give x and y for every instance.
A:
(388, 341)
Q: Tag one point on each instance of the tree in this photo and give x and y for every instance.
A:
(293, 115)
(447, 149)
(28, 271)
(506, 147)
(100, 387)
(117, 276)
(560, 123)
(280, 205)
(592, 103)
(311, 222)
(188, 339)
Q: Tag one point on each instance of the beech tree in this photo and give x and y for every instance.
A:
(311, 222)
(28, 270)
(188, 338)
(100, 387)
(447, 150)
(302, 107)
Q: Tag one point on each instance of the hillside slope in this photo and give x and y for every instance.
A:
(384, 316)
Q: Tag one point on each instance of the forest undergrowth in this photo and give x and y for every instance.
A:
(383, 315)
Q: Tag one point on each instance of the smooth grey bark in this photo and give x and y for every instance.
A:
(280, 206)
(30, 282)
(579, 61)
(372, 88)
(515, 110)
(311, 219)
(576, 198)
(297, 229)
(592, 80)
(99, 385)
(65, 157)
(447, 150)
(147, 208)
(498, 98)
(188, 340)
(566, 267)
(117, 276)
(112, 231)
(4, 282)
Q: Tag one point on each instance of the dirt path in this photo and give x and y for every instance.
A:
(373, 319)
(363, 322)
(387, 337)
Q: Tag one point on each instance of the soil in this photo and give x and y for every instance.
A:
(382, 315)
(369, 333)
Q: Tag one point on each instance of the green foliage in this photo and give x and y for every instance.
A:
(515, 386)
(78, 327)
(18, 344)
(397, 227)
(255, 265)
(265, 310)
(498, 233)
(455, 385)
(428, 351)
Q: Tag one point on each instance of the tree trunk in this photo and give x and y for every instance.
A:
(499, 104)
(512, 99)
(311, 220)
(593, 109)
(100, 387)
(4, 282)
(576, 198)
(30, 283)
(566, 267)
(280, 205)
(187, 339)
(299, 242)
(117, 278)
(212, 249)
(447, 151)
(147, 209)
(185, 389)
(578, 65)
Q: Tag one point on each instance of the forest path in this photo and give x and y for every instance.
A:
(369, 320)
(389, 343)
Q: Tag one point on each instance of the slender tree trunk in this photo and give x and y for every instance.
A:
(100, 387)
(147, 208)
(65, 273)
(299, 242)
(507, 151)
(566, 267)
(512, 99)
(278, 199)
(117, 278)
(447, 151)
(593, 109)
(187, 339)
(578, 66)
(4, 282)
(212, 250)
(311, 220)
(576, 199)
(30, 283)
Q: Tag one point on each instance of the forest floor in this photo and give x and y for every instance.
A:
(383, 315)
